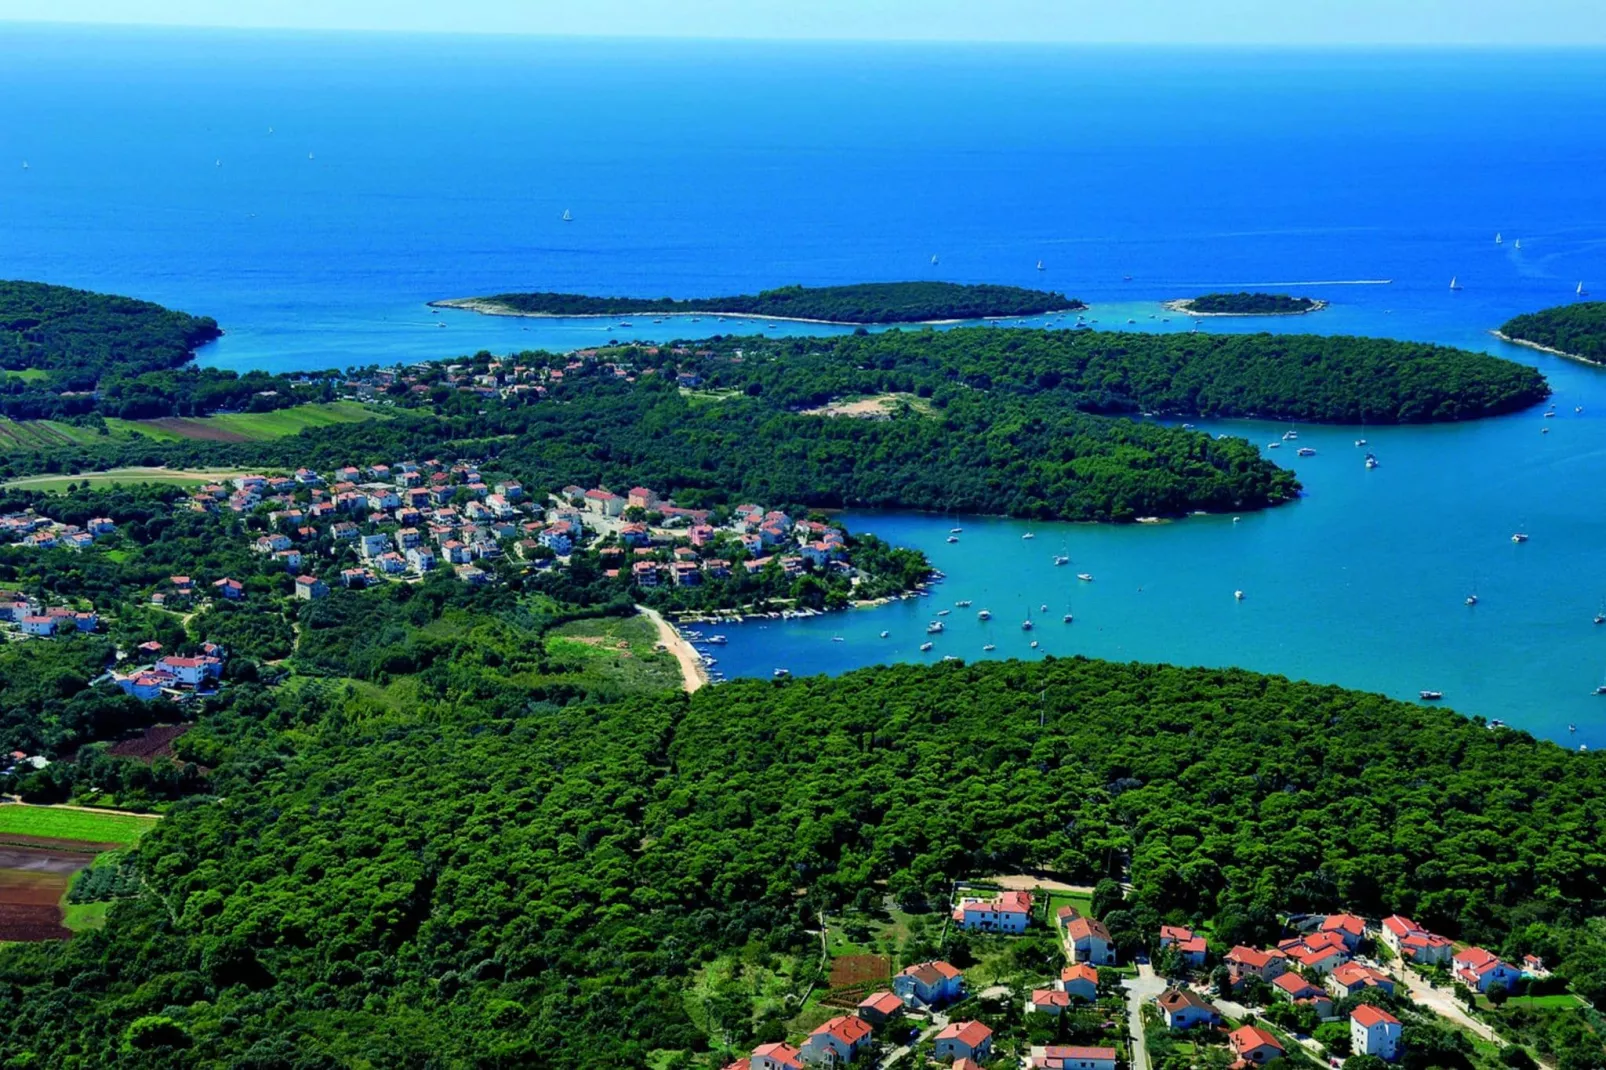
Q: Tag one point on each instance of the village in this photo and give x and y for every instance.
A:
(1335, 989)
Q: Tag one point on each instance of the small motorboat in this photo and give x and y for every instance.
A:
(1034, 644)
(1360, 442)
(953, 538)
(989, 647)
(1306, 451)
(837, 639)
(963, 603)
(1274, 445)
(1431, 696)
(955, 531)
(1061, 559)
(924, 647)
(943, 612)
(1028, 535)
(1239, 595)
(1472, 599)
(1085, 577)
(1520, 537)
(985, 614)
(717, 640)
(779, 673)
(934, 628)
(885, 634)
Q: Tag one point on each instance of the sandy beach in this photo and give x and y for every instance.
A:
(1545, 349)
(693, 674)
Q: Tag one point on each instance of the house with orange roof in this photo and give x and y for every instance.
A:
(928, 984)
(1087, 940)
(964, 1040)
(770, 1057)
(837, 1041)
(1413, 943)
(1374, 1031)
(1081, 981)
(1323, 952)
(1190, 946)
(1348, 927)
(1478, 968)
(1247, 961)
(880, 1007)
(1048, 1001)
(1352, 977)
(1254, 1046)
(1008, 912)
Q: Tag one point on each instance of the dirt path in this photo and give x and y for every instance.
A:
(86, 809)
(693, 674)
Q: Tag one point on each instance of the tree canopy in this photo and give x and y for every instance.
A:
(1578, 329)
(1249, 304)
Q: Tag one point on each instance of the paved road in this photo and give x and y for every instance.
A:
(1140, 990)
(1443, 1003)
(939, 1021)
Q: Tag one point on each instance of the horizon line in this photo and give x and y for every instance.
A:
(818, 39)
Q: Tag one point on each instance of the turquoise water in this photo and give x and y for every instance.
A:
(312, 192)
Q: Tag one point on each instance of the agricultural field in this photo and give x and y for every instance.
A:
(44, 435)
(178, 477)
(250, 426)
(42, 850)
(27, 375)
(79, 827)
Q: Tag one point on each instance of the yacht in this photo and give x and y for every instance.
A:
(1043, 608)
(1371, 462)
(1454, 285)
(779, 673)
(953, 538)
(1290, 435)
(1239, 595)
(885, 634)
(1026, 625)
(1067, 618)
(1498, 239)
(1519, 537)
(1517, 244)
(989, 648)
(985, 614)
(925, 647)
(955, 531)
(1600, 689)
(943, 612)
(1472, 599)
(1034, 644)
(1306, 451)
(1600, 618)
(1274, 445)
(1028, 535)
(1085, 577)
(1430, 696)
(837, 639)
(1496, 723)
(568, 217)
(963, 603)
(950, 657)
(716, 640)
(1039, 265)
(934, 627)
(1061, 559)
(1572, 728)
(1360, 442)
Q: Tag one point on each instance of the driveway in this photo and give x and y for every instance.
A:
(1443, 1003)
(1140, 990)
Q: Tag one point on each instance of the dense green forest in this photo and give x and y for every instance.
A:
(867, 303)
(1248, 304)
(491, 876)
(1578, 329)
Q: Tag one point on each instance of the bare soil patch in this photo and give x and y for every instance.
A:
(196, 429)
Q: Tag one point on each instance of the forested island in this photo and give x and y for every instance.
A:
(864, 303)
(505, 871)
(1246, 304)
(1576, 330)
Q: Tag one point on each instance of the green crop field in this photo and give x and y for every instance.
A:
(27, 375)
(44, 435)
(89, 826)
(251, 426)
(57, 483)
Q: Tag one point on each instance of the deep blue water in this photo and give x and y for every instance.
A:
(400, 169)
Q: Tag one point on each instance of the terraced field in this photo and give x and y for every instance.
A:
(44, 435)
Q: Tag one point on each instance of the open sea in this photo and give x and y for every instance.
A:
(312, 191)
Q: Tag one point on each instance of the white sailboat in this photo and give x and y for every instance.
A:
(1498, 239)
(934, 259)
(1517, 244)
(568, 217)
(1581, 292)
(1454, 285)
(1039, 265)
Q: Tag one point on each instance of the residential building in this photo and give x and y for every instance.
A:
(1087, 940)
(770, 1057)
(1352, 977)
(964, 1040)
(1415, 944)
(836, 1042)
(1190, 947)
(604, 503)
(1048, 1001)
(1323, 951)
(420, 559)
(230, 589)
(1254, 1046)
(1478, 969)
(1374, 1031)
(929, 984)
(1008, 912)
(880, 1007)
(37, 625)
(1081, 981)
(191, 671)
(144, 685)
(1183, 1009)
(373, 545)
(1293, 987)
(1070, 1057)
(1348, 927)
(309, 588)
(1247, 961)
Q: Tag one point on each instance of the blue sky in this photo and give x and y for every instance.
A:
(1287, 22)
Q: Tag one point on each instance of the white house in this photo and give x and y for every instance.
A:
(1412, 942)
(929, 984)
(37, 625)
(1182, 1009)
(1007, 913)
(191, 670)
(1373, 1031)
(1478, 969)
(1081, 981)
(374, 545)
(1072, 1057)
(1087, 940)
(964, 1040)
(836, 1042)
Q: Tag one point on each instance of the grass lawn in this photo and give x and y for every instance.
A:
(62, 824)
(56, 483)
(252, 426)
(1556, 1001)
(1083, 904)
(80, 916)
(27, 375)
(618, 650)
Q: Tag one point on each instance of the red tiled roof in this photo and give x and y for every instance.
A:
(1348, 923)
(1175, 932)
(1050, 997)
(1399, 925)
(1249, 1037)
(1369, 1015)
(1080, 972)
(846, 1028)
(969, 1034)
(1082, 928)
(882, 1002)
(1072, 1051)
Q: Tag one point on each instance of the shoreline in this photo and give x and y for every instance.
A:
(1180, 305)
(693, 673)
(491, 308)
(1546, 349)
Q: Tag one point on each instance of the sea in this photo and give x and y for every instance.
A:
(314, 191)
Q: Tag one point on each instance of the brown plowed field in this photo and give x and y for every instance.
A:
(32, 883)
(197, 429)
(155, 742)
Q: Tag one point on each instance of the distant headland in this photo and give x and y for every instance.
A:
(1577, 331)
(864, 304)
(1246, 304)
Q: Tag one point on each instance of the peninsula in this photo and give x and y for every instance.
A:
(865, 304)
(1577, 331)
(1246, 304)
